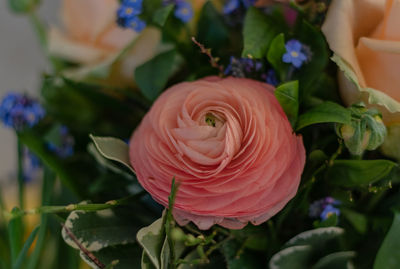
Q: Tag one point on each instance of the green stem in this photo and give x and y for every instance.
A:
(39, 29)
(47, 190)
(21, 181)
(74, 207)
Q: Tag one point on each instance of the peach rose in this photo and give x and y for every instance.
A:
(229, 145)
(92, 38)
(365, 37)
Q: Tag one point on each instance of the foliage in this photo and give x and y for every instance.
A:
(94, 210)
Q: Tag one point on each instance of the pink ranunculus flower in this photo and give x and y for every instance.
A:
(230, 146)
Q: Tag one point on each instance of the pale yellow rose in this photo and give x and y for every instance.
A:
(365, 37)
(92, 38)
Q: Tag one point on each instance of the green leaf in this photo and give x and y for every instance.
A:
(358, 220)
(15, 235)
(336, 260)
(101, 229)
(91, 148)
(161, 15)
(311, 71)
(146, 262)
(258, 32)
(22, 255)
(316, 237)
(117, 257)
(288, 96)
(326, 112)
(163, 65)
(152, 238)
(353, 173)
(113, 149)
(274, 56)
(212, 31)
(388, 256)
(295, 257)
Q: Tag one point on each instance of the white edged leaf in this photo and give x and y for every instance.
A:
(315, 237)
(152, 238)
(91, 148)
(292, 257)
(336, 260)
(113, 149)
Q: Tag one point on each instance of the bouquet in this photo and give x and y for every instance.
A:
(209, 134)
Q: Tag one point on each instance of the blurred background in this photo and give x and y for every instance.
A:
(21, 64)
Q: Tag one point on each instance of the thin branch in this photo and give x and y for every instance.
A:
(83, 249)
(213, 60)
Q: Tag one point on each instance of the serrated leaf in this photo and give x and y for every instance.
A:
(315, 237)
(295, 257)
(113, 149)
(374, 96)
(101, 229)
(161, 15)
(288, 96)
(275, 53)
(388, 256)
(152, 238)
(164, 65)
(353, 173)
(327, 112)
(258, 32)
(336, 260)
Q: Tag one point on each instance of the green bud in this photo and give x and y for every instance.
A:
(177, 234)
(365, 132)
(22, 6)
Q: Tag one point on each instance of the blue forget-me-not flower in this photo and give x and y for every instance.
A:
(294, 53)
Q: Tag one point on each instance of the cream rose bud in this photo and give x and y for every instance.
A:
(229, 145)
(91, 37)
(365, 35)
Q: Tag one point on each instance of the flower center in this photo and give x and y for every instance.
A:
(294, 54)
(213, 120)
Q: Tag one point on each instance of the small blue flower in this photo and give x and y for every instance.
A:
(184, 11)
(127, 12)
(328, 211)
(18, 111)
(294, 53)
(231, 6)
(136, 24)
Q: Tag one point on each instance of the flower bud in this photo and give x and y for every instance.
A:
(365, 132)
(22, 6)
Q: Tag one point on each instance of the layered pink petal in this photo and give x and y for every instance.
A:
(229, 145)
